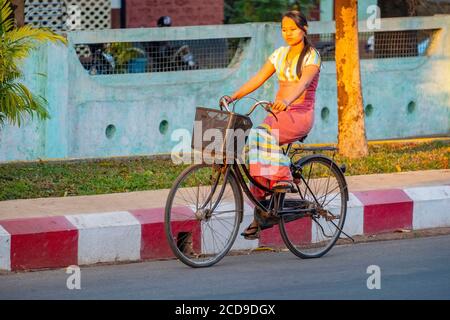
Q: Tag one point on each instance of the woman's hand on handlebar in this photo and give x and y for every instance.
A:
(225, 101)
(229, 99)
(279, 105)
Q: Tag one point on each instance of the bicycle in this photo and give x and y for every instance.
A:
(205, 206)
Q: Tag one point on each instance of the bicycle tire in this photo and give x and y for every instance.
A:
(304, 244)
(202, 252)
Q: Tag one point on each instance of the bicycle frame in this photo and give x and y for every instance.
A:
(234, 168)
(229, 176)
(277, 198)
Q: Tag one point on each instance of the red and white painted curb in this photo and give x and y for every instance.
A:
(53, 242)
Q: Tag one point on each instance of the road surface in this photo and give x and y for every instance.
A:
(408, 269)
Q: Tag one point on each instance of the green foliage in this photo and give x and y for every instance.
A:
(242, 11)
(15, 45)
(123, 52)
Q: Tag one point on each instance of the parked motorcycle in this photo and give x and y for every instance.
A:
(165, 56)
(101, 61)
(183, 59)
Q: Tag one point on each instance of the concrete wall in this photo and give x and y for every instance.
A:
(83, 106)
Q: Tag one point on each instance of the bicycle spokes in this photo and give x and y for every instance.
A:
(322, 187)
(212, 209)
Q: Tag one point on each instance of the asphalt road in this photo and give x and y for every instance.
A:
(409, 269)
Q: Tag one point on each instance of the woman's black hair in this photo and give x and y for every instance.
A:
(301, 22)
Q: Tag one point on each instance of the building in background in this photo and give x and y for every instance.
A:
(145, 13)
(67, 15)
(18, 8)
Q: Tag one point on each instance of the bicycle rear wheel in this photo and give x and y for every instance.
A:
(202, 215)
(323, 190)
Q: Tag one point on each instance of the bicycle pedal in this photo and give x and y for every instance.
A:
(266, 219)
(292, 190)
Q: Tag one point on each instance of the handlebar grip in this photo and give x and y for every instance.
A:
(271, 112)
(224, 103)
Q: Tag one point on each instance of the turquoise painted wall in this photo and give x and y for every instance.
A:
(83, 106)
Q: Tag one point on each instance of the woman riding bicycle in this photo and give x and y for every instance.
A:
(297, 67)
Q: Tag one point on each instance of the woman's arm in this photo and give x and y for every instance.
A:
(308, 74)
(256, 81)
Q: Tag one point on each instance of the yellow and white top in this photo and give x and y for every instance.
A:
(289, 73)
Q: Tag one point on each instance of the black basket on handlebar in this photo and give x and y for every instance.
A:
(220, 134)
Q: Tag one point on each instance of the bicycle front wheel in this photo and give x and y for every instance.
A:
(323, 193)
(202, 216)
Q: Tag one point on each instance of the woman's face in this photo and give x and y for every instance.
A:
(291, 33)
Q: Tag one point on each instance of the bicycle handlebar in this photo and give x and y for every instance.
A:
(266, 105)
(223, 102)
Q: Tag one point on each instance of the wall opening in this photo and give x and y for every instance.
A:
(110, 131)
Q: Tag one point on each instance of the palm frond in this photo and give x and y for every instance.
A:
(5, 13)
(16, 101)
(6, 22)
(17, 44)
(28, 34)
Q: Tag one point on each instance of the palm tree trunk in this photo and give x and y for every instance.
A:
(352, 140)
